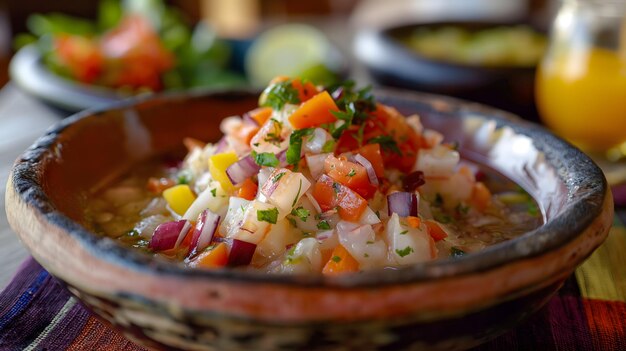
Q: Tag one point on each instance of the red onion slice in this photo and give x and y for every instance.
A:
(403, 203)
(282, 158)
(168, 235)
(221, 145)
(371, 173)
(241, 170)
(204, 231)
(241, 253)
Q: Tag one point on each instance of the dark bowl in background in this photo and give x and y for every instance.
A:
(392, 63)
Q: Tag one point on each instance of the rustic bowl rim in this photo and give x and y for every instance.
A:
(28, 172)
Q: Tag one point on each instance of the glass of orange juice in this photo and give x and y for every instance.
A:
(581, 81)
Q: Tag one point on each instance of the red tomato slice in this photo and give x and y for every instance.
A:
(332, 194)
(350, 174)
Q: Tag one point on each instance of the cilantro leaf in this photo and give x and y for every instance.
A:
(405, 252)
(279, 94)
(336, 259)
(386, 143)
(301, 213)
(270, 216)
(329, 146)
(295, 145)
(265, 159)
(323, 225)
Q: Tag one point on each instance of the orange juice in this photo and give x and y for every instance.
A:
(582, 97)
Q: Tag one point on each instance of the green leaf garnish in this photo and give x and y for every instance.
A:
(336, 259)
(301, 213)
(323, 225)
(295, 145)
(404, 252)
(270, 216)
(279, 94)
(267, 159)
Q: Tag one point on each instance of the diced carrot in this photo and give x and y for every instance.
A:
(435, 230)
(212, 258)
(467, 172)
(340, 262)
(261, 114)
(414, 222)
(481, 196)
(248, 190)
(192, 143)
(157, 185)
(317, 110)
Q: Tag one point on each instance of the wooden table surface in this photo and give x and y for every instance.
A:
(22, 120)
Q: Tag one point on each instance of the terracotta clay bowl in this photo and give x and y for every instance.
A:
(447, 304)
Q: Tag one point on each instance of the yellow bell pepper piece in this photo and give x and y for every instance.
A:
(179, 197)
(217, 166)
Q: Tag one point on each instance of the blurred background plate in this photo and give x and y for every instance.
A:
(28, 72)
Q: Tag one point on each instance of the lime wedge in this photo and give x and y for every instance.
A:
(288, 49)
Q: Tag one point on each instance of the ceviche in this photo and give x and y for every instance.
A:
(315, 180)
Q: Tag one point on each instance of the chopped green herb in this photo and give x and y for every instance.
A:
(272, 138)
(278, 176)
(183, 177)
(323, 225)
(214, 192)
(455, 252)
(301, 213)
(292, 221)
(329, 146)
(405, 252)
(352, 173)
(369, 242)
(366, 255)
(279, 94)
(269, 216)
(267, 159)
(132, 233)
(336, 259)
(386, 143)
(404, 232)
(256, 144)
(295, 145)
(297, 195)
(306, 234)
(378, 214)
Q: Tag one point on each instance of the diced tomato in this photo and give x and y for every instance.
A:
(212, 258)
(435, 230)
(331, 194)
(306, 90)
(408, 141)
(314, 112)
(340, 262)
(261, 114)
(157, 185)
(372, 153)
(350, 174)
(248, 190)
